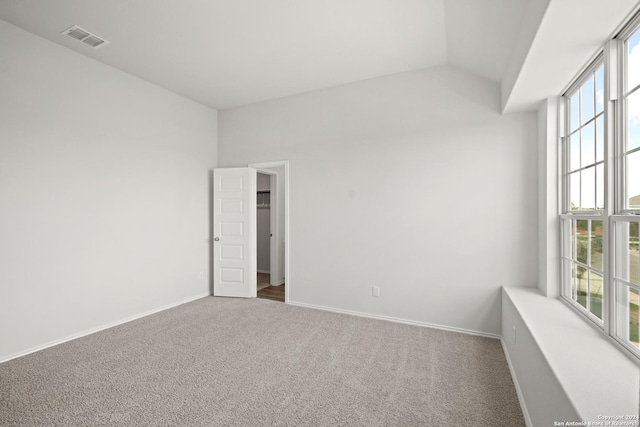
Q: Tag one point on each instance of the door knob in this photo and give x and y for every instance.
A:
(216, 239)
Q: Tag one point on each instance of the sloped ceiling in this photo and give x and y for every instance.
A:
(481, 34)
(556, 40)
(229, 53)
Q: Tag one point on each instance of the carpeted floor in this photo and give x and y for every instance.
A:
(236, 362)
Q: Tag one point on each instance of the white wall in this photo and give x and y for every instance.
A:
(104, 194)
(548, 209)
(412, 182)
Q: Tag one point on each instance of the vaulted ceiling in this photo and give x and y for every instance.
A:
(229, 53)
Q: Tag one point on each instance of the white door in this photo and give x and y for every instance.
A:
(234, 231)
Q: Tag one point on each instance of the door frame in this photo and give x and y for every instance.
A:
(264, 167)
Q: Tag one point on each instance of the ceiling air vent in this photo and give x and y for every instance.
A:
(84, 36)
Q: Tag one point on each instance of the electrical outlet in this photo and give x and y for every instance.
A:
(375, 291)
(514, 334)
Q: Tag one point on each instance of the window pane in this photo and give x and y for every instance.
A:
(600, 138)
(633, 120)
(574, 107)
(588, 151)
(587, 101)
(634, 265)
(582, 243)
(600, 89)
(595, 294)
(574, 151)
(582, 278)
(595, 237)
(633, 61)
(588, 189)
(632, 173)
(626, 252)
(574, 281)
(627, 314)
(567, 275)
(574, 190)
(633, 317)
(573, 240)
(600, 186)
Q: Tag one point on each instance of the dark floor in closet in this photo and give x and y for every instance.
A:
(275, 293)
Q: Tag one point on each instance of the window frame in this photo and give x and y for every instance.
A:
(622, 213)
(621, 149)
(616, 315)
(575, 87)
(567, 215)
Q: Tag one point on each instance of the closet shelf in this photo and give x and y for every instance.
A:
(264, 199)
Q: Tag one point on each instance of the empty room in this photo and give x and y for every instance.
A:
(319, 213)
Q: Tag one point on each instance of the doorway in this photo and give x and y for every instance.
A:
(265, 230)
(234, 234)
(272, 227)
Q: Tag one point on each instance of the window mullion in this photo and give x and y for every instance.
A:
(612, 94)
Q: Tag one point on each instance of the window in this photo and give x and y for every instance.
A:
(586, 143)
(584, 155)
(601, 190)
(626, 274)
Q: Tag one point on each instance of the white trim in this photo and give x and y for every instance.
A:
(103, 327)
(592, 65)
(395, 320)
(267, 165)
(274, 225)
(630, 24)
(264, 271)
(595, 216)
(523, 406)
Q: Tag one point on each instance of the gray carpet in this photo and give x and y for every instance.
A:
(234, 362)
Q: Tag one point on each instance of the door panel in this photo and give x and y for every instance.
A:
(234, 230)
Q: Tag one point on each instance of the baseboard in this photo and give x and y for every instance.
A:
(101, 328)
(523, 406)
(395, 319)
(264, 271)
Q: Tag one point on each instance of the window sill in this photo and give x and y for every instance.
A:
(596, 376)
